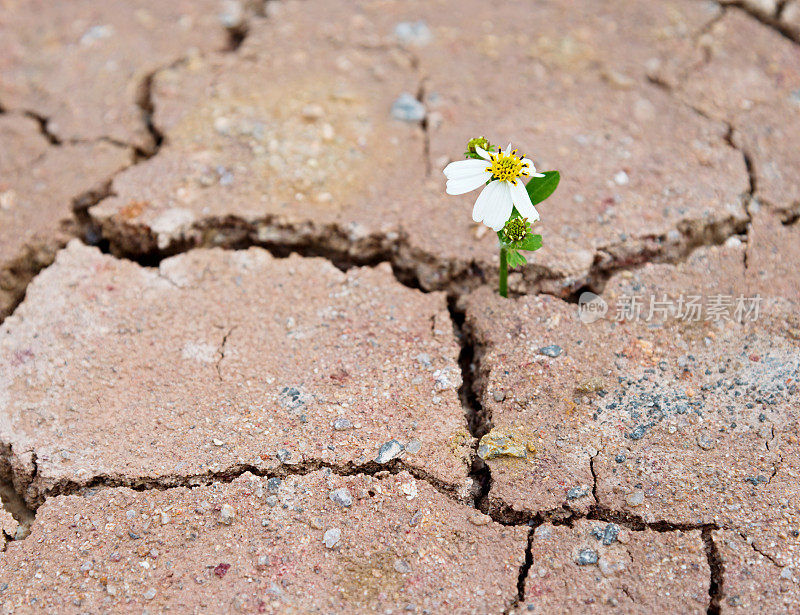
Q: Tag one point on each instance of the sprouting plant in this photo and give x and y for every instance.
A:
(507, 203)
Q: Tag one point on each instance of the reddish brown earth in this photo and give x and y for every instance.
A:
(252, 358)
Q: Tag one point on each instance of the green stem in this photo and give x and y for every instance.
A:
(503, 272)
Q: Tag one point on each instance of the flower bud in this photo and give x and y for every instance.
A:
(481, 142)
(516, 229)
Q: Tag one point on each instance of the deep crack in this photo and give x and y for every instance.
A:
(66, 486)
(717, 582)
(144, 100)
(523, 573)
(475, 415)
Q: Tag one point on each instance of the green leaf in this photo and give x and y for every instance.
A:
(530, 243)
(515, 259)
(539, 188)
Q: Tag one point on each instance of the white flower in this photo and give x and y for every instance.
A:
(505, 173)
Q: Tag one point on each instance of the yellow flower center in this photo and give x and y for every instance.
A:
(508, 167)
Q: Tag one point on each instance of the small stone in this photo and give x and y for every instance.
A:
(705, 441)
(636, 498)
(413, 33)
(149, 594)
(291, 398)
(87, 565)
(221, 569)
(638, 433)
(415, 518)
(551, 351)
(263, 560)
(272, 501)
(443, 380)
(332, 537)
(342, 424)
(620, 458)
(590, 385)
(402, 566)
(579, 491)
(610, 534)
(342, 497)
(389, 451)
(413, 446)
(497, 444)
(273, 485)
(621, 178)
(408, 109)
(479, 519)
(498, 396)
(313, 113)
(423, 359)
(227, 514)
(586, 557)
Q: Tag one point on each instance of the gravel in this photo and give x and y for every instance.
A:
(342, 497)
(389, 451)
(586, 557)
(408, 109)
(331, 537)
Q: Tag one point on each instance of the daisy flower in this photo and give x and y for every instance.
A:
(502, 174)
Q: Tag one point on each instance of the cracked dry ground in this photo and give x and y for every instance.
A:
(251, 352)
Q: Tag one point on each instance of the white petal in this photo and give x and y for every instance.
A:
(532, 168)
(508, 149)
(479, 209)
(482, 153)
(467, 184)
(464, 168)
(493, 206)
(523, 202)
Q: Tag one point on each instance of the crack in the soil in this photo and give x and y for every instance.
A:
(144, 100)
(411, 266)
(755, 548)
(716, 584)
(426, 127)
(51, 137)
(739, 227)
(523, 574)
(16, 506)
(594, 477)
(34, 497)
(25, 514)
(221, 351)
(771, 21)
(476, 417)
